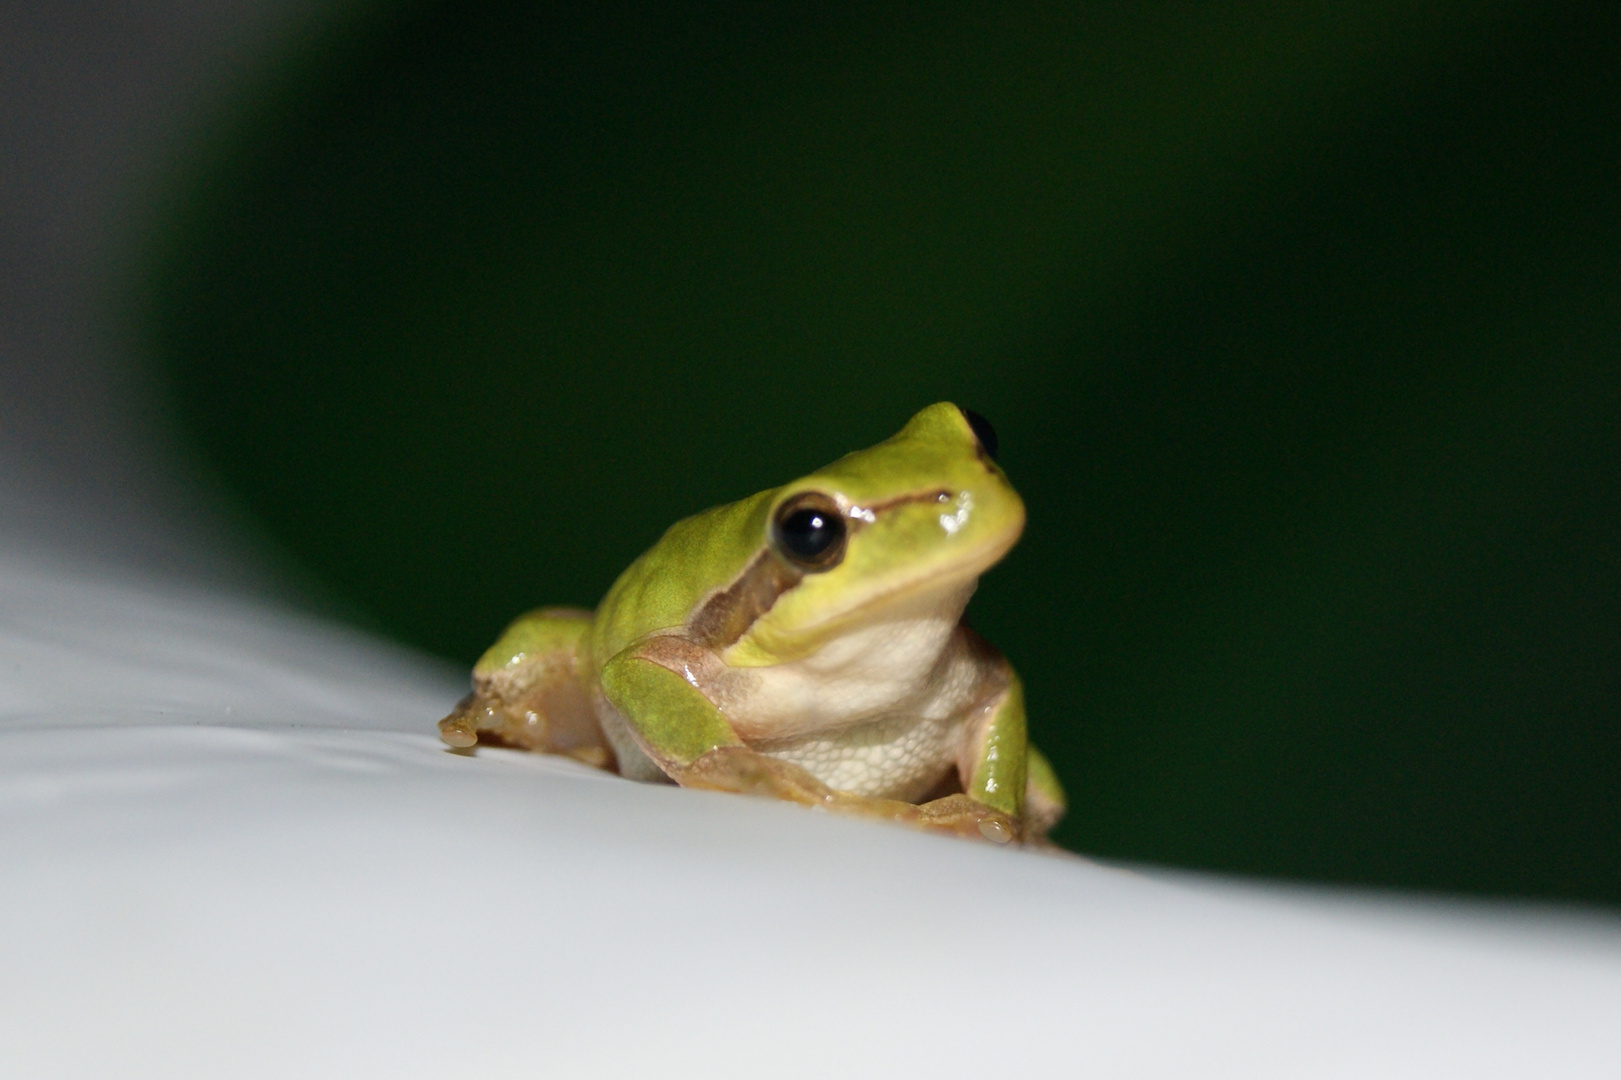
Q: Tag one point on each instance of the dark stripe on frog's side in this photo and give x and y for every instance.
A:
(727, 615)
(724, 618)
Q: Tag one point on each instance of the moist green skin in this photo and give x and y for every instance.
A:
(715, 642)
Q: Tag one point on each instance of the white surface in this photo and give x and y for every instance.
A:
(230, 845)
(84, 645)
(329, 893)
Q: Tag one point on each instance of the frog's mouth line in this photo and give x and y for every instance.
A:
(935, 579)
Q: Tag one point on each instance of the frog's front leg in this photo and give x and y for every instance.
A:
(528, 693)
(683, 732)
(999, 768)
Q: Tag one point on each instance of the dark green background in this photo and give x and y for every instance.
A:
(1300, 323)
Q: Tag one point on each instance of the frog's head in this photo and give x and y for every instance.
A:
(905, 526)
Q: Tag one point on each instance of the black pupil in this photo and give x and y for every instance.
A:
(982, 431)
(809, 532)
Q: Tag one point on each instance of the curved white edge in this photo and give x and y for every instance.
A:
(86, 645)
(232, 846)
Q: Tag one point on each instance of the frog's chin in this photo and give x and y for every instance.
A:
(931, 576)
(943, 596)
(939, 587)
(915, 620)
(937, 592)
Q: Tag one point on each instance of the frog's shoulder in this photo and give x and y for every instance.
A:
(696, 558)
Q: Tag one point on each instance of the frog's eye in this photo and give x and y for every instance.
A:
(982, 430)
(809, 531)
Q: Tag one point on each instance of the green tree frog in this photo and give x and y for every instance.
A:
(805, 643)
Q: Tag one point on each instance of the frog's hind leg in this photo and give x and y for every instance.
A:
(528, 693)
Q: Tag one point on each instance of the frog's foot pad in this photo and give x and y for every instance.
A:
(963, 816)
(475, 716)
(459, 730)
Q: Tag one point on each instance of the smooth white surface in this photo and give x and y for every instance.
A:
(327, 892)
(80, 644)
(230, 845)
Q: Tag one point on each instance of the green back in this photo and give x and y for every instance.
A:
(696, 555)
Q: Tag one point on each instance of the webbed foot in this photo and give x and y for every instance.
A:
(527, 693)
(748, 772)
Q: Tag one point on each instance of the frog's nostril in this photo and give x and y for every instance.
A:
(983, 431)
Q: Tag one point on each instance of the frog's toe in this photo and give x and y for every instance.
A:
(960, 815)
(459, 730)
(477, 717)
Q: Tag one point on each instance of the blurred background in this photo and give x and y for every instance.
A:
(1300, 325)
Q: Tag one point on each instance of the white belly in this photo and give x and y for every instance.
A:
(892, 665)
(894, 757)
